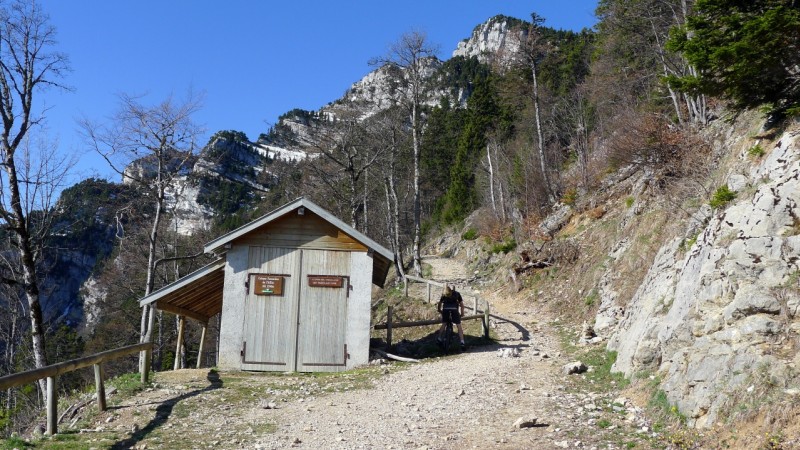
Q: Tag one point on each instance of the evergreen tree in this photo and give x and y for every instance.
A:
(746, 51)
(483, 112)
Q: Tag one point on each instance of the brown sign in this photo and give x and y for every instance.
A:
(268, 285)
(330, 281)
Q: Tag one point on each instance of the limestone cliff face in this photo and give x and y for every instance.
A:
(495, 42)
(715, 319)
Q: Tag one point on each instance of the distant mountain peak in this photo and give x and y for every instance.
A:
(495, 42)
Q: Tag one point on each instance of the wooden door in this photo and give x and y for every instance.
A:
(270, 317)
(322, 320)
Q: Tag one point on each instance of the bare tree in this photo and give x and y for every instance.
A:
(640, 29)
(389, 132)
(150, 146)
(575, 118)
(409, 56)
(534, 51)
(345, 146)
(28, 63)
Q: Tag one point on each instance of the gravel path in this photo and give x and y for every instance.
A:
(470, 400)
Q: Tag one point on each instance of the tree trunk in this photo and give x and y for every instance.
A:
(417, 208)
(146, 332)
(364, 202)
(491, 178)
(540, 139)
(29, 282)
(500, 187)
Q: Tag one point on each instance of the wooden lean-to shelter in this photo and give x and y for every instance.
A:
(293, 288)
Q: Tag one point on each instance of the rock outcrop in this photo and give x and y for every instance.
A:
(494, 42)
(720, 316)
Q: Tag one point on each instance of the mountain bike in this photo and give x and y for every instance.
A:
(449, 334)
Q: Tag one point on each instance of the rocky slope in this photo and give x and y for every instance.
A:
(716, 319)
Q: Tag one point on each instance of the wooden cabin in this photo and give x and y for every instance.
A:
(293, 288)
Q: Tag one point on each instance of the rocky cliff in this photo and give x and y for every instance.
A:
(715, 317)
(495, 42)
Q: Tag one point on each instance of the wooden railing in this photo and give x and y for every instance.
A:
(53, 371)
(483, 314)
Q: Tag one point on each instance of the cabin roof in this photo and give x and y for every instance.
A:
(219, 243)
(199, 294)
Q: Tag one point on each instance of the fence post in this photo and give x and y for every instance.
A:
(100, 387)
(148, 356)
(202, 343)
(429, 292)
(486, 321)
(389, 328)
(405, 286)
(52, 406)
(475, 305)
(179, 346)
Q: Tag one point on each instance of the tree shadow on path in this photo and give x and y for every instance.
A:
(164, 410)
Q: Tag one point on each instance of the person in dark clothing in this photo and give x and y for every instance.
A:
(451, 306)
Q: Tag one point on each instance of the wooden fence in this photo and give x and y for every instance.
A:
(53, 371)
(483, 315)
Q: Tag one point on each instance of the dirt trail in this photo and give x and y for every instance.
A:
(471, 400)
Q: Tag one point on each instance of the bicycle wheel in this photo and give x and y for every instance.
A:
(448, 336)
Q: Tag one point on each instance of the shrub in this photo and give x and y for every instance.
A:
(756, 151)
(570, 197)
(629, 202)
(722, 197)
(504, 247)
(470, 235)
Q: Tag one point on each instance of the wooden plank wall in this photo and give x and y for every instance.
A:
(323, 313)
(270, 322)
(306, 231)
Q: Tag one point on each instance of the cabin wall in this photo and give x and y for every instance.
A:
(359, 307)
(308, 232)
(233, 298)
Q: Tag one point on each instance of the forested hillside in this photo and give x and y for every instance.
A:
(524, 132)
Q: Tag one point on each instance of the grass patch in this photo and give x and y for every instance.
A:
(470, 235)
(127, 384)
(14, 442)
(756, 151)
(686, 244)
(504, 247)
(591, 298)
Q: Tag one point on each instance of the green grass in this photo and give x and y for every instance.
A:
(629, 202)
(504, 247)
(470, 235)
(127, 384)
(756, 151)
(591, 298)
(14, 442)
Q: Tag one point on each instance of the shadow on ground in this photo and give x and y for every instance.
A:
(427, 346)
(164, 410)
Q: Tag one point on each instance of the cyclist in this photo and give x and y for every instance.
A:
(451, 306)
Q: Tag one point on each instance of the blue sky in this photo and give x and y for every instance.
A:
(254, 60)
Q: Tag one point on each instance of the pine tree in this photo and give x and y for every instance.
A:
(746, 52)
